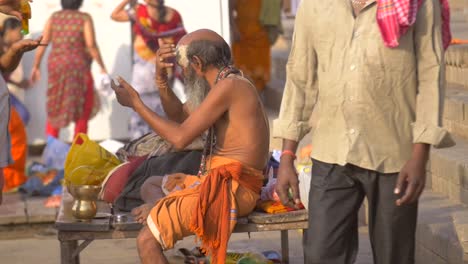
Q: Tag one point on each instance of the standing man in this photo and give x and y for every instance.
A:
(377, 87)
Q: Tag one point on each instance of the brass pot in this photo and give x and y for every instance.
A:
(84, 207)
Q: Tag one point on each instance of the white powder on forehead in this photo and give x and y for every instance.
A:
(182, 55)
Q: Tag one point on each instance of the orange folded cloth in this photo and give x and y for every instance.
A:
(275, 207)
(456, 41)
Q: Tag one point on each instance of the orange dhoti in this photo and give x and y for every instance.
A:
(15, 173)
(207, 207)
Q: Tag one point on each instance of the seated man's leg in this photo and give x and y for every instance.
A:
(169, 220)
(151, 190)
(149, 249)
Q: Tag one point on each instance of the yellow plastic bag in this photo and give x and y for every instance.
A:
(88, 163)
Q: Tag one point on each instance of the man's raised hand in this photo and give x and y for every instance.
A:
(26, 45)
(165, 52)
(11, 8)
(125, 93)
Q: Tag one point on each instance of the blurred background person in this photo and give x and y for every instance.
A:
(15, 173)
(151, 21)
(70, 95)
(255, 25)
(11, 33)
(9, 60)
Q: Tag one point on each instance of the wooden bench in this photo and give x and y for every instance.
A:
(71, 231)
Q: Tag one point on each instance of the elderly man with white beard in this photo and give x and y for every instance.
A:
(230, 177)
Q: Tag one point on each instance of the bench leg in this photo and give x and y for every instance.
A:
(284, 246)
(66, 252)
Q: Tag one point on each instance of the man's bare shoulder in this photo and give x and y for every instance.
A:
(235, 84)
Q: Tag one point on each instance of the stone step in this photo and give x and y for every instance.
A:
(458, 4)
(455, 117)
(437, 239)
(17, 210)
(456, 59)
(449, 171)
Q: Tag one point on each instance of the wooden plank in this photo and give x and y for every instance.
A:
(119, 234)
(251, 227)
(86, 235)
(242, 226)
(264, 218)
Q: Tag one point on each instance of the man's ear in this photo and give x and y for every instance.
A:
(197, 64)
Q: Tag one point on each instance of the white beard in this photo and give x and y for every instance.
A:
(197, 88)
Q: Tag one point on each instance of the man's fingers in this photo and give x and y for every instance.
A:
(39, 39)
(166, 64)
(122, 82)
(166, 56)
(167, 49)
(409, 192)
(160, 42)
(418, 192)
(16, 14)
(114, 86)
(400, 182)
(295, 192)
(282, 192)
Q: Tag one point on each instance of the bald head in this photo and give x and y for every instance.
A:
(201, 34)
(206, 45)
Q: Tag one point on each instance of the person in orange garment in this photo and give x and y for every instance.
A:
(9, 61)
(250, 42)
(231, 177)
(15, 173)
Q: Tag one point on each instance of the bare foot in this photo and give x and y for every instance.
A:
(141, 212)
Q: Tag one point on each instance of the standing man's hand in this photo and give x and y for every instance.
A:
(412, 177)
(288, 179)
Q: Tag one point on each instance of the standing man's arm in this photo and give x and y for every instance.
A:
(427, 128)
(299, 99)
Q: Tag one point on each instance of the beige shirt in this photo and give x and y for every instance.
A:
(371, 102)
